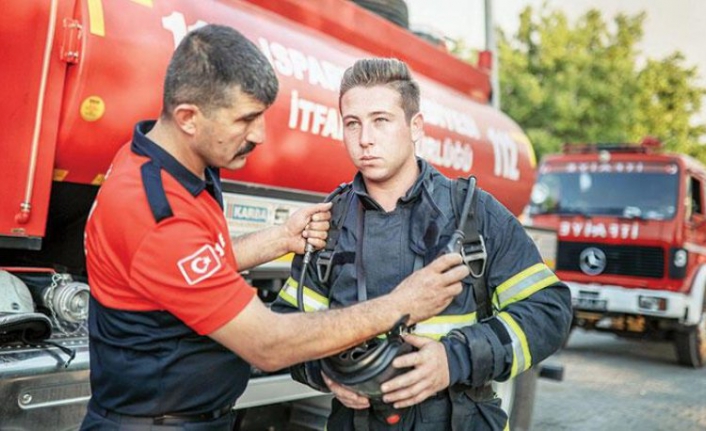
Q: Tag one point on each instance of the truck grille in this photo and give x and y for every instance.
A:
(620, 260)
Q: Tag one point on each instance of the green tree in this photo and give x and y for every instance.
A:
(582, 83)
(668, 104)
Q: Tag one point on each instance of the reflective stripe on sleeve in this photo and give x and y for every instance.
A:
(313, 301)
(438, 326)
(521, 357)
(523, 284)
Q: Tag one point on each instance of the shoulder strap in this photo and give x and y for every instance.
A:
(341, 198)
(473, 244)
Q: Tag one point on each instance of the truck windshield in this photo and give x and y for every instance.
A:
(639, 190)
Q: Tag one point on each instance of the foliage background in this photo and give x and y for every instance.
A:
(586, 81)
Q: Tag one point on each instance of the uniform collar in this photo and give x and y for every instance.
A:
(412, 194)
(144, 146)
(416, 189)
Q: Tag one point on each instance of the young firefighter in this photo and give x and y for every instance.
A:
(173, 325)
(400, 215)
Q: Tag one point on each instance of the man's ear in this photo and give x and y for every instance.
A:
(417, 127)
(186, 117)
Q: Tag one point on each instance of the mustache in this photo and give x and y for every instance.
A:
(248, 148)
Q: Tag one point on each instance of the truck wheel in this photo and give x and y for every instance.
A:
(518, 399)
(393, 10)
(691, 344)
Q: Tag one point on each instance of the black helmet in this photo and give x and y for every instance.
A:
(365, 367)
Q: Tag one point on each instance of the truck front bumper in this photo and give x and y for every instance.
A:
(601, 298)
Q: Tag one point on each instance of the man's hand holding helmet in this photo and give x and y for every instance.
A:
(347, 396)
(429, 374)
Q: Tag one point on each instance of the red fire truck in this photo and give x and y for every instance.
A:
(632, 240)
(77, 75)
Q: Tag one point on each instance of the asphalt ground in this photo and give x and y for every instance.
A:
(617, 384)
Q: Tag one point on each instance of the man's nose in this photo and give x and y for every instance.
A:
(366, 136)
(256, 134)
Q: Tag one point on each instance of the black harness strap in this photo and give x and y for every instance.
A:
(475, 256)
(325, 258)
(473, 247)
(359, 267)
(330, 246)
(361, 419)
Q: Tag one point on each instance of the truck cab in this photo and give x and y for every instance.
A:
(631, 223)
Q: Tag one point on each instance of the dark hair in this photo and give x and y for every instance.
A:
(209, 62)
(391, 72)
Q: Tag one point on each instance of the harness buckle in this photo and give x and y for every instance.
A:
(323, 264)
(474, 252)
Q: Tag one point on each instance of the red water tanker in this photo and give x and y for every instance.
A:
(79, 74)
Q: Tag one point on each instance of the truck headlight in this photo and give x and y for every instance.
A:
(652, 303)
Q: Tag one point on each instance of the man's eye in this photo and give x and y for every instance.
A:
(351, 124)
(381, 120)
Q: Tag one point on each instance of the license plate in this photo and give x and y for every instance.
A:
(591, 304)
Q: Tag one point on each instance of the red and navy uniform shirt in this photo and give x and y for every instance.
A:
(163, 275)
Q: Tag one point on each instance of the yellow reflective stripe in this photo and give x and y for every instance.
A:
(313, 301)
(521, 357)
(520, 276)
(524, 284)
(451, 318)
(529, 286)
(96, 22)
(528, 291)
(438, 326)
(147, 3)
(507, 426)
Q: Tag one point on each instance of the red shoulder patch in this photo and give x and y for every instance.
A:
(200, 265)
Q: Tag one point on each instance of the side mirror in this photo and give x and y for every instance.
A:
(542, 199)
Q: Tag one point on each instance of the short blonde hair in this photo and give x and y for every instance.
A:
(391, 72)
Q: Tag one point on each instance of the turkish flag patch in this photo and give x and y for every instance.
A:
(200, 265)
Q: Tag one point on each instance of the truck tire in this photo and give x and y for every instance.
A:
(394, 11)
(518, 399)
(690, 344)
